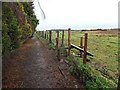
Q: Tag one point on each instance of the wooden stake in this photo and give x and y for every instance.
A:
(62, 38)
(58, 34)
(47, 35)
(81, 44)
(40, 33)
(50, 36)
(58, 51)
(85, 49)
(43, 34)
(69, 40)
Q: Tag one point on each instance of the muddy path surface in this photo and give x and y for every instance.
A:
(34, 65)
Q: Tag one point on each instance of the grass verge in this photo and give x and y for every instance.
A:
(91, 77)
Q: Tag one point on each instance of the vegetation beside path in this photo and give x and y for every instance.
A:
(18, 24)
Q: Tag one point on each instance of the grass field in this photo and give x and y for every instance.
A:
(102, 44)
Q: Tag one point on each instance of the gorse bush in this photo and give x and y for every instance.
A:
(16, 27)
(28, 9)
(10, 30)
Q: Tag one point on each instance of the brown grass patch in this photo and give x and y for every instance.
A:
(114, 35)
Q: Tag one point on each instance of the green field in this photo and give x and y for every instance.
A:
(102, 44)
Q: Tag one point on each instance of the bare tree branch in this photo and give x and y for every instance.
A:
(41, 10)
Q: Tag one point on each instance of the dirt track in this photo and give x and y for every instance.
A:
(34, 65)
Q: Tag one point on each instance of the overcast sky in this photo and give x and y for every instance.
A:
(77, 14)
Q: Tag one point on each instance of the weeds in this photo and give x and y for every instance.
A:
(92, 77)
(39, 37)
(63, 51)
(68, 58)
(51, 45)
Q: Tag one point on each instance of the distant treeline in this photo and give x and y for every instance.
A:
(18, 24)
(78, 30)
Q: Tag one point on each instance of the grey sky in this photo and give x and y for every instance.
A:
(77, 14)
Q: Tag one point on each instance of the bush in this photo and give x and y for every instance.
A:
(16, 28)
(52, 46)
(10, 30)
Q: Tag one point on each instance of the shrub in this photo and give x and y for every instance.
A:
(52, 46)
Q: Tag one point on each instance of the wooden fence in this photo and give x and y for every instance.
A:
(83, 49)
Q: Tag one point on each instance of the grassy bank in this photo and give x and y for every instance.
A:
(91, 77)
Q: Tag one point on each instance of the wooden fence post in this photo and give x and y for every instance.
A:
(50, 36)
(40, 33)
(85, 49)
(47, 34)
(69, 40)
(58, 35)
(58, 51)
(43, 34)
(62, 38)
(81, 44)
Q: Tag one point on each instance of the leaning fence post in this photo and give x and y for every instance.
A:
(62, 38)
(69, 40)
(81, 45)
(50, 36)
(58, 51)
(85, 49)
